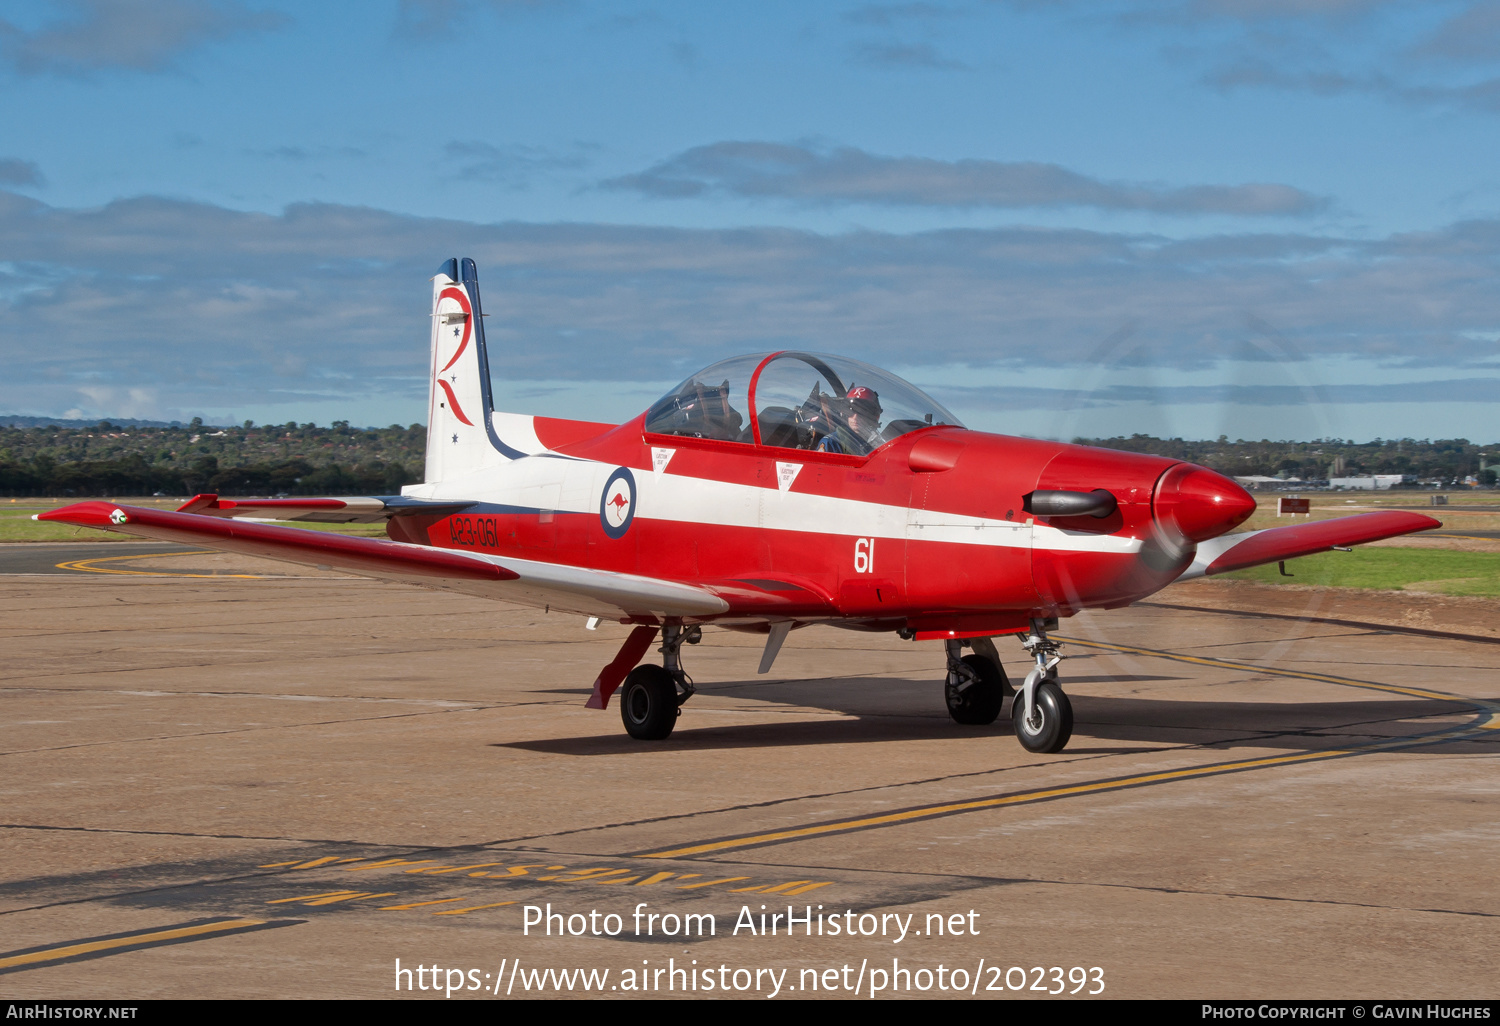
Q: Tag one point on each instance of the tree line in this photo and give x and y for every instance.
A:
(287, 459)
(1447, 460)
(108, 459)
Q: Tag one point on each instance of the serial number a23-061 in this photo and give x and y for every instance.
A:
(475, 532)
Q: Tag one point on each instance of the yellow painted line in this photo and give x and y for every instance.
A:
(476, 908)
(791, 888)
(418, 904)
(929, 811)
(582, 875)
(88, 947)
(388, 864)
(1326, 678)
(440, 870)
(85, 565)
(332, 897)
(706, 883)
(1487, 710)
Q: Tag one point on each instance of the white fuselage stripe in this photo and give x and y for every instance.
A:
(575, 486)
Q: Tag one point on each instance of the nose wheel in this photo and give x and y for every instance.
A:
(1041, 714)
(1045, 724)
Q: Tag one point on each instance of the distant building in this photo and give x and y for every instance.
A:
(1376, 482)
(1261, 482)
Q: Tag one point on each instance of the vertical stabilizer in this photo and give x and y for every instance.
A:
(460, 430)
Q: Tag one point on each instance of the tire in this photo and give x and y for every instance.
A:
(978, 702)
(1048, 729)
(648, 703)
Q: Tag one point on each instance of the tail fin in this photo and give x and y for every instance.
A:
(461, 437)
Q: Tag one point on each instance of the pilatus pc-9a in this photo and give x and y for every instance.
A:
(763, 494)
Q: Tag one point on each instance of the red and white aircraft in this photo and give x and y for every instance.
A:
(765, 493)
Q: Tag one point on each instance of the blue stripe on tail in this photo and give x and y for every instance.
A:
(471, 283)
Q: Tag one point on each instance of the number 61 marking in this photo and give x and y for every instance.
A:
(864, 555)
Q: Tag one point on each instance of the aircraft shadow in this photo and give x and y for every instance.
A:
(901, 710)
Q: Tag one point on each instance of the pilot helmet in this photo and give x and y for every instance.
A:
(864, 401)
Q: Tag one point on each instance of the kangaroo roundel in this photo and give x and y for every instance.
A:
(617, 505)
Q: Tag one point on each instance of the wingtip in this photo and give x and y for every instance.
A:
(81, 514)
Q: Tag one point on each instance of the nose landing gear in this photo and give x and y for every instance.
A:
(1041, 714)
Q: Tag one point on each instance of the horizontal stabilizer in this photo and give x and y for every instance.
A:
(1253, 548)
(347, 509)
(590, 592)
(372, 557)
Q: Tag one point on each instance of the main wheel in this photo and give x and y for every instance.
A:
(648, 703)
(977, 701)
(1048, 724)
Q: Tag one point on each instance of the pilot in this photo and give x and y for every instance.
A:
(862, 419)
(847, 425)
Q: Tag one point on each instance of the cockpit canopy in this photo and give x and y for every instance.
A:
(795, 400)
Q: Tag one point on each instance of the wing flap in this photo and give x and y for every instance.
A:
(1253, 548)
(774, 596)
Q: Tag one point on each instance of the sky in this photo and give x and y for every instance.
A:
(1256, 218)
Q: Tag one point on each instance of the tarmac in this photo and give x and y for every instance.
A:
(226, 778)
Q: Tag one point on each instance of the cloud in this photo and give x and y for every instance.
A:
(14, 171)
(134, 35)
(193, 306)
(847, 175)
(301, 154)
(1471, 35)
(885, 15)
(1402, 51)
(427, 18)
(903, 55)
(1252, 12)
(514, 165)
(1452, 390)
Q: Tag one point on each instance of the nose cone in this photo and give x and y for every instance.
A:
(1198, 504)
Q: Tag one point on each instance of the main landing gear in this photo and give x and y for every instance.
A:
(976, 685)
(651, 696)
(1040, 713)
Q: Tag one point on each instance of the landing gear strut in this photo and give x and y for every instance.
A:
(1041, 714)
(976, 686)
(651, 696)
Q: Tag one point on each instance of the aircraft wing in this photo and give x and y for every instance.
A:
(1238, 551)
(602, 593)
(346, 509)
